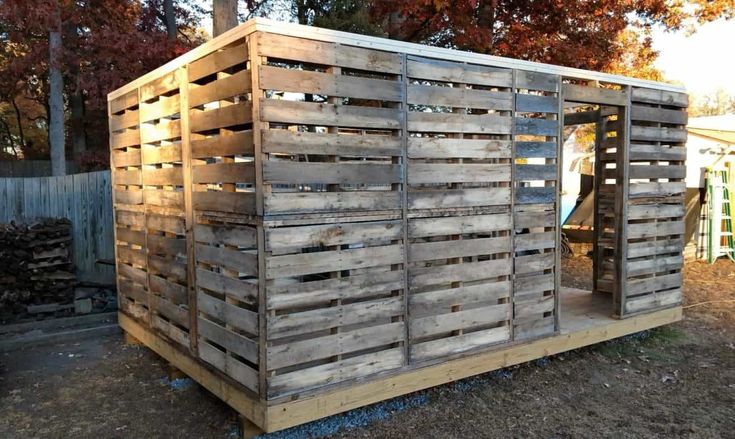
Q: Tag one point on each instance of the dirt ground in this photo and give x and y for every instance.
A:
(677, 381)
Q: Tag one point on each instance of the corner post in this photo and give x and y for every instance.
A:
(191, 283)
(255, 61)
(622, 190)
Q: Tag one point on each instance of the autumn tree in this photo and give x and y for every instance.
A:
(575, 33)
(105, 43)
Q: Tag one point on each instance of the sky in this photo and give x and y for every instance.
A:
(703, 62)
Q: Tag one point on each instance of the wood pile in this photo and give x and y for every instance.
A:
(35, 264)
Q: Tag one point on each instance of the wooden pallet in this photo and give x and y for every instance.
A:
(585, 321)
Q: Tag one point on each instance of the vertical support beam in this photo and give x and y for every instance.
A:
(191, 283)
(514, 91)
(148, 292)
(255, 61)
(404, 205)
(557, 205)
(622, 190)
(596, 219)
(114, 204)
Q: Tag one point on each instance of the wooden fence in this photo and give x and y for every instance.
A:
(85, 199)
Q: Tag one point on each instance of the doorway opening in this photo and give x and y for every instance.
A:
(592, 137)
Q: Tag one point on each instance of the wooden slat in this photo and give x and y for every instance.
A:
(310, 113)
(230, 340)
(662, 97)
(432, 199)
(163, 177)
(528, 80)
(458, 248)
(657, 134)
(460, 225)
(459, 123)
(317, 52)
(233, 85)
(452, 321)
(235, 316)
(241, 262)
(218, 61)
(419, 173)
(536, 149)
(536, 104)
(594, 95)
(536, 126)
(163, 107)
(302, 81)
(239, 172)
(225, 234)
(447, 148)
(161, 154)
(331, 201)
(159, 86)
(348, 341)
(659, 115)
(322, 262)
(219, 201)
(336, 173)
(459, 97)
(467, 272)
(241, 290)
(238, 143)
(299, 323)
(458, 344)
(228, 116)
(331, 234)
(447, 71)
(285, 141)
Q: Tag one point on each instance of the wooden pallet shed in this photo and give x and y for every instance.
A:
(302, 212)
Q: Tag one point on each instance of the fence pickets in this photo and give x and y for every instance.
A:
(299, 213)
(85, 199)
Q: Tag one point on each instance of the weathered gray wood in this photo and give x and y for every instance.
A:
(594, 95)
(447, 71)
(89, 204)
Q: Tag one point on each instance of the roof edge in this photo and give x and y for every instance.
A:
(328, 35)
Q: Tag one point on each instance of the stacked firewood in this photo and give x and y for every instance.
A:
(35, 264)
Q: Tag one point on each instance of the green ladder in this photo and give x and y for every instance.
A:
(720, 219)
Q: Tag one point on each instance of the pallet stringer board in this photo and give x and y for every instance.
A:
(621, 205)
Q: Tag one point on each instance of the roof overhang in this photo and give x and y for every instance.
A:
(327, 35)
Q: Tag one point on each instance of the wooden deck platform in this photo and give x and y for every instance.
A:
(585, 320)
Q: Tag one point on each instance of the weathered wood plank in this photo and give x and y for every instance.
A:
(448, 71)
(336, 260)
(303, 81)
(331, 234)
(310, 113)
(459, 123)
(459, 97)
(447, 148)
(285, 141)
(421, 173)
(335, 173)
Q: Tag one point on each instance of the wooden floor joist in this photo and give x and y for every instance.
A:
(585, 320)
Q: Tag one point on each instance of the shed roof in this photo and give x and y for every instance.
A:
(719, 128)
(327, 35)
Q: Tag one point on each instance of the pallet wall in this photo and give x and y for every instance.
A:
(655, 211)
(297, 213)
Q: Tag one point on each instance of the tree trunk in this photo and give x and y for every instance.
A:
(224, 16)
(168, 13)
(78, 133)
(56, 101)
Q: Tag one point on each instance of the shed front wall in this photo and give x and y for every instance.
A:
(299, 213)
